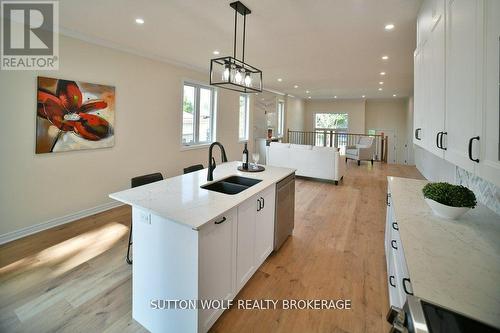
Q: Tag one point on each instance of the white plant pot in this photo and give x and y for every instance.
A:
(447, 212)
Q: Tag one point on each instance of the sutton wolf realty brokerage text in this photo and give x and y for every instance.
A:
(248, 304)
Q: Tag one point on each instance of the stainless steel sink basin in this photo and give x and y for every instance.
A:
(231, 185)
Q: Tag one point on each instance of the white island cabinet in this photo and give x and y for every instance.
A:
(192, 245)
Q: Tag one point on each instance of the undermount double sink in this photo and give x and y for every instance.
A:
(231, 185)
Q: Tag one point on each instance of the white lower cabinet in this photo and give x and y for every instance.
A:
(245, 248)
(217, 262)
(255, 234)
(264, 225)
(398, 278)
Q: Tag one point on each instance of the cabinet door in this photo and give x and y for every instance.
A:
(217, 260)
(489, 165)
(264, 225)
(463, 79)
(435, 115)
(245, 263)
(418, 103)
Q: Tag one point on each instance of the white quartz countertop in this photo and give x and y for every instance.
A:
(182, 200)
(453, 263)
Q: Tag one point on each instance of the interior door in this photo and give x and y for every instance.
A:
(463, 83)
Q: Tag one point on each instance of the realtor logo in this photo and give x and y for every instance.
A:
(30, 36)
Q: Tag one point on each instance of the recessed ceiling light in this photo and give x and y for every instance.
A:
(385, 57)
(216, 52)
(334, 96)
(389, 26)
(381, 82)
(307, 91)
(382, 73)
(139, 20)
(309, 97)
(394, 95)
(295, 86)
(363, 96)
(280, 79)
(379, 89)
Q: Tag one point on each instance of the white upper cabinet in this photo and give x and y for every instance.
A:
(489, 165)
(456, 84)
(463, 81)
(435, 83)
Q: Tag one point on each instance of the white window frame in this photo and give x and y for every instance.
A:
(247, 117)
(196, 110)
(281, 118)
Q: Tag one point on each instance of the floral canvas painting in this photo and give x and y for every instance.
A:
(73, 115)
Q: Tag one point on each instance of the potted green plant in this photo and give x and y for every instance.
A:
(449, 201)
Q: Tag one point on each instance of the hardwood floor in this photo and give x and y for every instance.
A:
(74, 278)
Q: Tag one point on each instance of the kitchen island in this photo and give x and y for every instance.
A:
(193, 244)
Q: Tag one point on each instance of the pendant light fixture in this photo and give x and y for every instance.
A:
(232, 73)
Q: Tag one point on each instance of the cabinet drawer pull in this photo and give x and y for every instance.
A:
(221, 221)
(438, 141)
(470, 149)
(387, 199)
(259, 205)
(395, 226)
(441, 141)
(263, 202)
(417, 132)
(404, 286)
(394, 244)
(391, 281)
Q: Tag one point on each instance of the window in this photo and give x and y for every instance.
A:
(336, 122)
(198, 114)
(281, 118)
(331, 121)
(243, 123)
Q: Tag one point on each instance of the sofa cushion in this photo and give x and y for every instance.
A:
(351, 151)
(280, 145)
(365, 141)
(321, 148)
(304, 147)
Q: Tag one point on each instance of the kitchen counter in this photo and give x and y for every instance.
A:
(453, 263)
(182, 200)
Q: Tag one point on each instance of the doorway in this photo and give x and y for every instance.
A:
(392, 155)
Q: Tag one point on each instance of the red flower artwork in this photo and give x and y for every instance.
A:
(67, 111)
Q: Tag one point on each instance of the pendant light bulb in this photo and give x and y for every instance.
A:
(225, 74)
(248, 80)
(237, 77)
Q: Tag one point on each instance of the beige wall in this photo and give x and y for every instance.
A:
(37, 188)
(389, 115)
(354, 108)
(295, 112)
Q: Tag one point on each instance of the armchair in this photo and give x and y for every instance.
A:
(364, 150)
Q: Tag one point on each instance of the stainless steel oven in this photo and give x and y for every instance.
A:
(420, 316)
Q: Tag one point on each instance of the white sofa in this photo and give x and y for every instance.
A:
(364, 150)
(310, 161)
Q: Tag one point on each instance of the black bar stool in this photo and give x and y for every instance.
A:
(193, 168)
(135, 182)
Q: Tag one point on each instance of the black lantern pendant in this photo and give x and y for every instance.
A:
(234, 74)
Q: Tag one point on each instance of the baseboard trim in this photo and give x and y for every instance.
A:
(16, 234)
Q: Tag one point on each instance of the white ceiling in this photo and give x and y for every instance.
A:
(329, 47)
